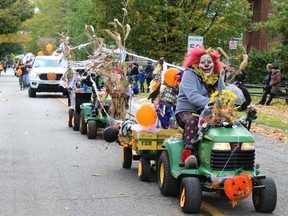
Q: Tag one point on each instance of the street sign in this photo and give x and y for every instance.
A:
(232, 44)
(194, 41)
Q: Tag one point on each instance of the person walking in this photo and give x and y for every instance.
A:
(141, 77)
(266, 82)
(274, 83)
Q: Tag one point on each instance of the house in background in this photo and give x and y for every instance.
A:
(259, 40)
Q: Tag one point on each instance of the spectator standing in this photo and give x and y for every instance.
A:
(135, 72)
(266, 82)
(141, 77)
(149, 74)
(274, 83)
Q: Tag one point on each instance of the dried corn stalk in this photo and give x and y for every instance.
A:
(104, 63)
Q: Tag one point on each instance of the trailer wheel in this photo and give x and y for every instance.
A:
(144, 169)
(92, 129)
(70, 116)
(82, 124)
(265, 200)
(127, 158)
(75, 121)
(190, 195)
(168, 185)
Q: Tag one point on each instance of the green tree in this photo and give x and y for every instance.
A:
(276, 26)
(171, 22)
(161, 27)
(57, 16)
(12, 15)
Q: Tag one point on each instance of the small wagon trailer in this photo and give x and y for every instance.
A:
(146, 147)
(79, 97)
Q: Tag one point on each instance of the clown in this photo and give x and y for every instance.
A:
(200, 79)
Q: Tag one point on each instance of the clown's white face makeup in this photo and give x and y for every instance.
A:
(206, 64)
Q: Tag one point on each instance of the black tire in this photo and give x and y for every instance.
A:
(127, 158)
(265, 200)
(168, 185)
(190, 195)
(31, 92)
(75, 121)
(92, 129)
(144, 169)
(70, 117)
(82, 124)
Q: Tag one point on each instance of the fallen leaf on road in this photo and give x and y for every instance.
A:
(96, 174)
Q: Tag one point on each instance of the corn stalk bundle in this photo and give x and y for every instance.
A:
(103, 63)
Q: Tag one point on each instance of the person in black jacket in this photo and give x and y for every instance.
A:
(266, 82)
(149, 74)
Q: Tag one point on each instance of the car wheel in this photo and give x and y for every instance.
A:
(92, 129)
(31, 92)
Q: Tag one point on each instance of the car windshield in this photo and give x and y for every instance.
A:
(41, 62)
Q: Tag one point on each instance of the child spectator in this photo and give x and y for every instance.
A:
(141, 77)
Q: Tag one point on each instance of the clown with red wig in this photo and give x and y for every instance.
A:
(200, 79)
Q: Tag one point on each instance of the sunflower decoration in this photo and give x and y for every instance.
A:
(223, 106)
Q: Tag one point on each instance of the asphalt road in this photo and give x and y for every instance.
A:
(46, 168)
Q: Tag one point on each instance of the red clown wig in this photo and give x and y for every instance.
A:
(194, 55)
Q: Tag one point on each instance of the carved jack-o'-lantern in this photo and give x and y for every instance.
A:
(238, 187)
(51, 76)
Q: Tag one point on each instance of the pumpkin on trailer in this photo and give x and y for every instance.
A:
(49, 47)
(238, 187)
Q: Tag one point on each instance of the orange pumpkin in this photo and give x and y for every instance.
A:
(19, 72)
(238, 187)
(49, 47)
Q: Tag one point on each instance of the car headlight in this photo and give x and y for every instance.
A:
(221, 146)
(247, 146)
(33, 74)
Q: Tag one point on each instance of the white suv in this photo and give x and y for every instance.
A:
(45, 75)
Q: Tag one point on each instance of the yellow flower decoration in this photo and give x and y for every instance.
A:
(224, 105)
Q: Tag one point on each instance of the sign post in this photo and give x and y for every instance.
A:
(195, 41)
(232, 47)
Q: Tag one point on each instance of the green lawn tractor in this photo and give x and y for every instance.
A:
(225, 162)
